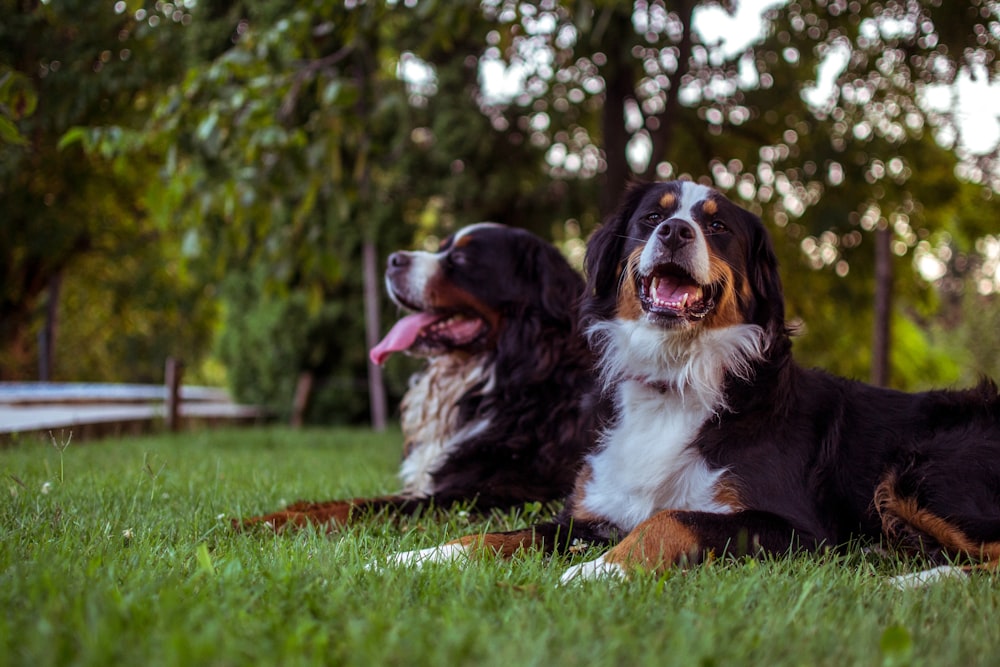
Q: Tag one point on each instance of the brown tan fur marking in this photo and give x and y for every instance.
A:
(656, 544)
(668, 200)
(331, 515)
(629, 307)
(575, 502)
(902, 517)
(728, 310)
(727, 493)
(504, 545)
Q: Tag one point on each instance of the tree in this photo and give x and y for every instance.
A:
(831, 168)
(304, 136)
(323, 131)
(72, 64)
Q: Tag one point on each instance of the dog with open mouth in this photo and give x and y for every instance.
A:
(714, 441)
(499, 416)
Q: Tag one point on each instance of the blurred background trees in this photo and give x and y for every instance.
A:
(222, 180)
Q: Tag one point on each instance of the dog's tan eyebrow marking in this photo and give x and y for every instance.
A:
(668, 200)
(710, 207)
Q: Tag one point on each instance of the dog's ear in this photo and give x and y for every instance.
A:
(605, 254)
(558, 287)
(544, 319)
(765, 281)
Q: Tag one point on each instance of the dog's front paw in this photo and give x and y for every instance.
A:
(593, 569)
(927, 577)
(445, 553)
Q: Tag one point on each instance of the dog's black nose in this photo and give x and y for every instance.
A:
(399, 260)
(675, 233)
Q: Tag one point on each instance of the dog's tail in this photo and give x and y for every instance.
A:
(918, 530)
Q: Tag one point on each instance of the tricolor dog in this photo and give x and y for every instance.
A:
(498, 416)
(714, 441)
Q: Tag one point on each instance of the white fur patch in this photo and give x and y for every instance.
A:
(424, 266)
(445, 553)
(594, 569)
(691, 194)
(920, 579)
(692, 363)
(468, 229)
(666, 386)
(430, 416)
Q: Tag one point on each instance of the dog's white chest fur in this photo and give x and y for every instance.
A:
(664, 391)
(429, 417)
(647, 463)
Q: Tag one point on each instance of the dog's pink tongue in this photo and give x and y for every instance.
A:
(400, 337)
(672, 292)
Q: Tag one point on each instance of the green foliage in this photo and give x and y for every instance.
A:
(261, 343)
(299, 143)
(285, 135)
(17, 101)
(268, 339)
(129, 559)
(980, 336)
(825, 167)
(76, 64)
(155, 309)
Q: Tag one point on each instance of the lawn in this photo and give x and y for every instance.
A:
(120, 553)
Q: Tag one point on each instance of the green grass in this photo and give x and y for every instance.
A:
(120, 553)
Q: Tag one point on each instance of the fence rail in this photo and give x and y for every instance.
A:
(102, 410)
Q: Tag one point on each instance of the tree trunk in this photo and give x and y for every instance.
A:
(662, 132)
(376, 387)
(883, 307)
(303, 394)
(365, 77)
(619, 77)
(619, 87)
(47, 336)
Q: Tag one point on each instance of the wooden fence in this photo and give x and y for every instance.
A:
(38, 409)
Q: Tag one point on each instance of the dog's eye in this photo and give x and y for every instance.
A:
(717, 226)
(457, 259)
(654, 218)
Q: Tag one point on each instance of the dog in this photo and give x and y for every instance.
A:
(714, 441)
(498, 416)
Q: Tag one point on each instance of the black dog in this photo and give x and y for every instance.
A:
(716, 442)
(497, 418)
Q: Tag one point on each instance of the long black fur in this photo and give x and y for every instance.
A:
(537, 405)
(808, 452)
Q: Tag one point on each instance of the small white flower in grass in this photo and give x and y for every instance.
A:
(46, 487)
(220, 517)
(127, 534)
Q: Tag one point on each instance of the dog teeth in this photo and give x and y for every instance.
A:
(675, 304)
(445, 323)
